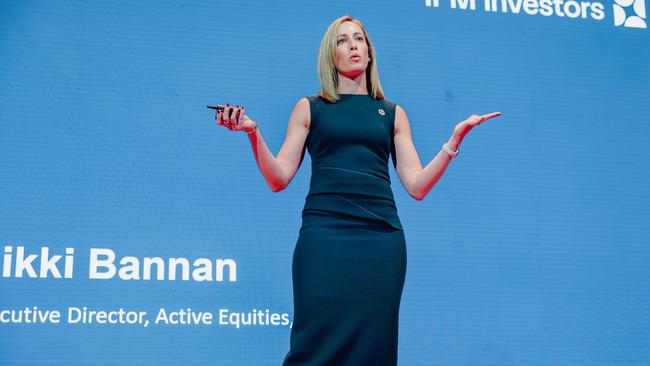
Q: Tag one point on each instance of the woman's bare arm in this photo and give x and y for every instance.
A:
(417, 181)
(279, 171)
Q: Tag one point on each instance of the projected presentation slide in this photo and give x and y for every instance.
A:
(333, 183)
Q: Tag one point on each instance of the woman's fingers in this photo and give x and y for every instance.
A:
(235, 117)
(232, 117)
(475, 119)
(491, 115)
(226, 114)
(224, 118)
(240, 118)
(220, 118)
(488, 116)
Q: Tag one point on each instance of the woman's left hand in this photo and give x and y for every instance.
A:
(464, 127)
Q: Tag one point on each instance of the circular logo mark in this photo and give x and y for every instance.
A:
(381, 111)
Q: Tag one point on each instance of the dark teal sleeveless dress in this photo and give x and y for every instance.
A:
(349, 262)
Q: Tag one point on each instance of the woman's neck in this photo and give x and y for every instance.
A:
(352, 86)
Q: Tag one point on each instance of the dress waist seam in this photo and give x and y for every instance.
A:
(349, 170)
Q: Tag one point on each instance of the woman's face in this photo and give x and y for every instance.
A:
(351, 50)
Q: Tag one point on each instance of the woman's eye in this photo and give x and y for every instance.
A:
(343, 39)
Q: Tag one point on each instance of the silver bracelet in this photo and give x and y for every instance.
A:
(449, 151)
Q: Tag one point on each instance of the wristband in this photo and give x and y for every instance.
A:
(449, 151)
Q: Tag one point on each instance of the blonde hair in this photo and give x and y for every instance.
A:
(326, 68)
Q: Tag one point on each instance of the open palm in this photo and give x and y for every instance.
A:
(465, 126)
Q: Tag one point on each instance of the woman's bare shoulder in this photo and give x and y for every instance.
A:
(303, 109)
(301, 114)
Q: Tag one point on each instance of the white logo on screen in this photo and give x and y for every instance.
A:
(627, 13)
(638, 17)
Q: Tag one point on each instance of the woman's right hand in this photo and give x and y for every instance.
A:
(234, 119)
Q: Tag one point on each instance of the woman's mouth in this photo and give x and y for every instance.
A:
(355, 58)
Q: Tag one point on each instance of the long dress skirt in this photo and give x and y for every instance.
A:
(348, 271)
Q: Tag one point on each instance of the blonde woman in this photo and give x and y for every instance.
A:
(349, 262)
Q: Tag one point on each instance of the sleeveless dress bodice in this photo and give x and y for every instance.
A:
(350, 143)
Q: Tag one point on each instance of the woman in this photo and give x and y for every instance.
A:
(349, 262)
